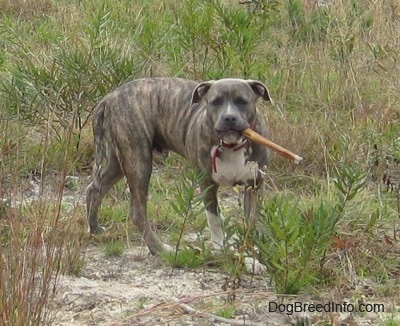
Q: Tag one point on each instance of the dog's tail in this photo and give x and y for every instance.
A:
(99, 139)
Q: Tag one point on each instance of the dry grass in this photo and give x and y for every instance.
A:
(41, 238)
(36, 250)
(26, 9)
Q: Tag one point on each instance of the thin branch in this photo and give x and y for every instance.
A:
(189, 310)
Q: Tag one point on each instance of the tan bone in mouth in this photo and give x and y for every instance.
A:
(257, 138)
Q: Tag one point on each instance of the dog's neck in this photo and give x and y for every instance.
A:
(218, 149)
(231, 166)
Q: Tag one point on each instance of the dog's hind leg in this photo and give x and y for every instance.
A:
(137, 170)
(102, 181)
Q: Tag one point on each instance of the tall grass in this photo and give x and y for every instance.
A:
(40, 238)
(34, 255)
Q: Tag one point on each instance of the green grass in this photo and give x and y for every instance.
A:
(332, 72)
(114, 249)
(185, 258)
(226, 312)
(392, 321)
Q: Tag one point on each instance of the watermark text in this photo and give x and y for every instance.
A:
(331, 307)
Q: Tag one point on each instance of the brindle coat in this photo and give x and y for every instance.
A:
(194, 120)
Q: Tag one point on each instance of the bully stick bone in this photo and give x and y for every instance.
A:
(257, 138)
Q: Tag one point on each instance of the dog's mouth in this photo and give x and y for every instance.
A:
(230, 136)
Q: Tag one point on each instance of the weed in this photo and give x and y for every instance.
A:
(141, 302)
(227, 312)
(76, 267)
(114, 248)
(188, 205)
(185, 258)
(293, 238)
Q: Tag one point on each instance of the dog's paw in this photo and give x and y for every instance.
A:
(217, 245)
(96, 230)
(253, 266)
(168, 248)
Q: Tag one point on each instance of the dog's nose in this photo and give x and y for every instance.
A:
(229, 118)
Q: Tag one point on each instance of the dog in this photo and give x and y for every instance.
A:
(202, 122)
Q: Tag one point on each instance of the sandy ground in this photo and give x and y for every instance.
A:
(138, 289)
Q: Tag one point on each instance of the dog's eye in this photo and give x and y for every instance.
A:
(216, 101)
(241, 101)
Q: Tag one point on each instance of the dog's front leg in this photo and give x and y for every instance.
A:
(213, 216)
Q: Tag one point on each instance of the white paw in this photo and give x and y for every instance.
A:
(253, 266)
(168, 248)
(100, 229)
(217, 245)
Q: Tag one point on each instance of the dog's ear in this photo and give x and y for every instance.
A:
(200, 91)
(260, 89)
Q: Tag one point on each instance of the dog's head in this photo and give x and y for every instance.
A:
(231, 105)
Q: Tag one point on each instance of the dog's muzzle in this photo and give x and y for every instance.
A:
(229, 128)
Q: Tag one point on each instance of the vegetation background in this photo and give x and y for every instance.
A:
(333, 71)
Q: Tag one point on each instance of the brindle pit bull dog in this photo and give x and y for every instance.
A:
(202, 122)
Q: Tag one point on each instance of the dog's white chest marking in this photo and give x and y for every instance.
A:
(230, 166)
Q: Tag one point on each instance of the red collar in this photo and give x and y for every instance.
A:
(219, 149)
(235, 147)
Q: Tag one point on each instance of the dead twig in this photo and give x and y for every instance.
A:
(189, 310)
(169, 303)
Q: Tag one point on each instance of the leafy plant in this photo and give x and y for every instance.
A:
(187, 204)
(293, 239)
(64, 84)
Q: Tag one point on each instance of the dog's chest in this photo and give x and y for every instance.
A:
(231, 167)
